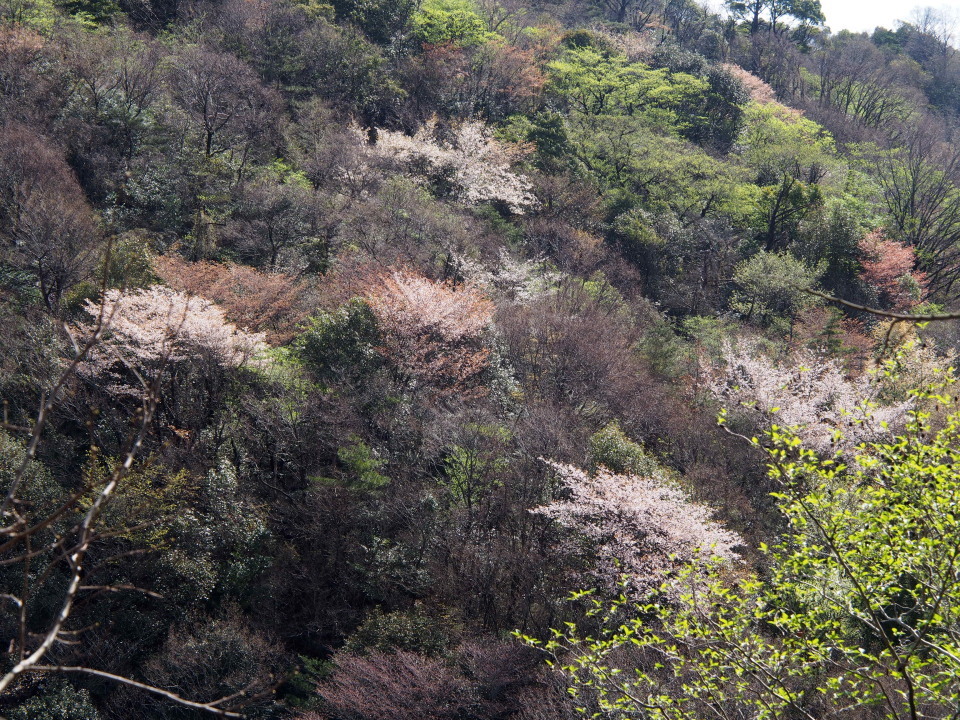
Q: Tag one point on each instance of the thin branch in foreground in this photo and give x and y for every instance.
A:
(47, 403)
(895, 317)
(72, 547)
(908, 317)
(209, 707)
(121, 588)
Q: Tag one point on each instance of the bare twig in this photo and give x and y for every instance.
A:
(70, 546)
(79, 553)
(211, 707)
(898, 316)
(47, 403)
(121, 588)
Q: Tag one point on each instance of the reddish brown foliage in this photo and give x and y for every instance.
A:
(347, 279)
(272, 303)
(398, 686)
(569, 199)
(31, 163)
(432, 331)
(887, 267)
(481, 680)
(548, 700)
(16, 38)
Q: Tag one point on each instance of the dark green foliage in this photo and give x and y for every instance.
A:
(381, 20)
(724, 109)
(57, 699)
(832, 237)
(585, 39)
(723, 101)
(758, 13)
(549, 134)
(676, 59)
(341, 344)
(348, 70)
(411, 630)
(100, 11)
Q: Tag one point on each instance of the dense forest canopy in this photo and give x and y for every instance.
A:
(363, 360)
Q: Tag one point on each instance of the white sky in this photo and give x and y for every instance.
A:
(865, 15)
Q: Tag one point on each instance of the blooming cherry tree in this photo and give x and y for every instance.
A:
(432, 332)
(478, 166)
(809, 393)
(149, 328)
(272, 302)
(643, 527)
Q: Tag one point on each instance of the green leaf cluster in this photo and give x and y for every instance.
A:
(341, 342)
(597, 83)
(857, 612)
(771, 288)
(611, 448)
(441, 22)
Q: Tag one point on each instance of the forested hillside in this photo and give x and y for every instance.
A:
(477, 360)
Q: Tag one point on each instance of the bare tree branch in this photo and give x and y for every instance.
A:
(79, 553)
(121, 588)
(908, 317)
(209, 707)
(69, 546)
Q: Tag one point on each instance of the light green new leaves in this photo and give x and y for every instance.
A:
(437, 22)
(778, 141)
(597, 83)
(665, 172)
(859, 611)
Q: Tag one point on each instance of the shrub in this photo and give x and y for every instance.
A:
(771, 288)
(412, 631)
(213, 659)
(58, 700)
(612, 449)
